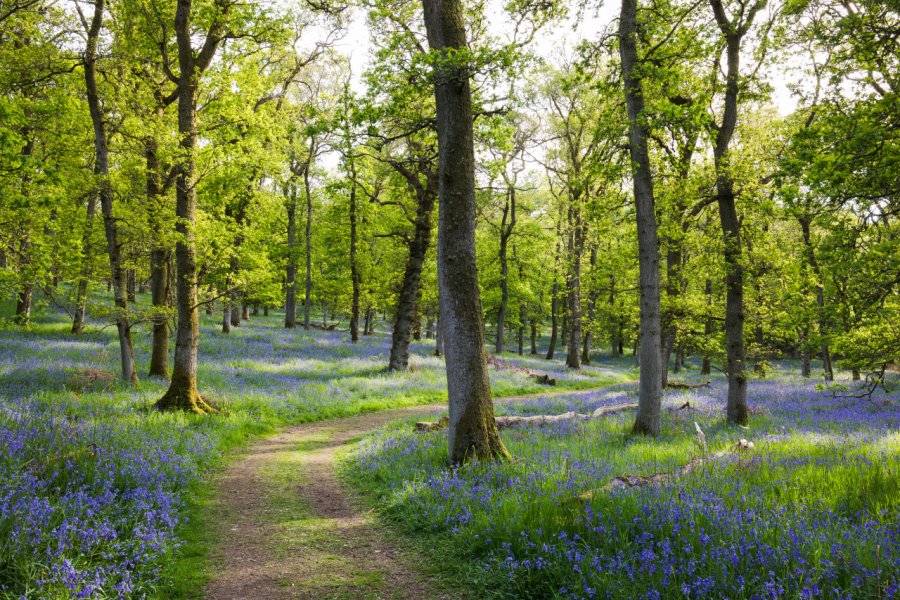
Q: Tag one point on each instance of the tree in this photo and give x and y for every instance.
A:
(650, 395)
(182, 393)
(472, 431)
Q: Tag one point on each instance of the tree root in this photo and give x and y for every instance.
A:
(184, 400)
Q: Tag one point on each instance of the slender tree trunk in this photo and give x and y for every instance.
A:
(308, 238)
(534, 332)
(554, 320)
(105, 193)
(591, 307)
(731, 226)
(407, 301)
(226, 307)
(132, 285)
(159, 260)
(506, 230)
(87, 249)
(472, 431)
(820, 297)
(439, 340)
(182, 393)
(576, 247)
(650, 395)
(354, 267)
(706, 367)
(290, 299)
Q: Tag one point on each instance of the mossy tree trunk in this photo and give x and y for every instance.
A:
(472, 431)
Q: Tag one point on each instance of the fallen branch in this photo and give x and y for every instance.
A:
(624, 482)
(512, 421)
(678, 385)
(541, 378)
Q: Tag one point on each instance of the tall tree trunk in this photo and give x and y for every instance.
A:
(101, 171)
(354, 267)
(820, 297)
(439, 340)
(534, 349)
(650, 395)
(506, 230)
(132, 285)
(407, 301)
(472, 431)
(575, 247)
(226, 306)
(307, 298)
(706, 367)
(554, 320)
(182, 393)
(87, 250)
(591, 307)
(159, 259)
(732, 33)
(290, 298)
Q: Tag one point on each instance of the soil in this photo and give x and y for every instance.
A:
(289, 528)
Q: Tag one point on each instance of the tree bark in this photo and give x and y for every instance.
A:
(182, 393)
(354, 267)
(290, 297)
(472, 431)
(159, 260)
(650, 395)
(506, 230)
(732, 33)
(101, 171)
(407, 301)
(307, 298)
(820, 297)
(573, 283)
(87, 250)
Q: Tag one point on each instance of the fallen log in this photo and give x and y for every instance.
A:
(512, 421)
(541, 378)
(678, 385)
(633, 481)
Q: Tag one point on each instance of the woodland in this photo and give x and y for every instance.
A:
(449, 299)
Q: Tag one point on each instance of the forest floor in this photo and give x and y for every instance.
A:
(288, 527)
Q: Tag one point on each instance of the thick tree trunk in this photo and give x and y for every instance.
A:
(182, 393)
(105, 194)
(472, 430)
(132, 285)
(245, 312)
(650, 394)
(407, 302)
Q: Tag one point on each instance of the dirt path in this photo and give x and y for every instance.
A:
(289, 529)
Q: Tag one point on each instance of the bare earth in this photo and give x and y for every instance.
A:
(288, 528)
